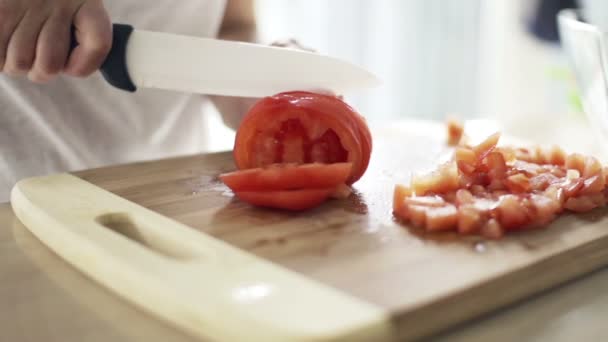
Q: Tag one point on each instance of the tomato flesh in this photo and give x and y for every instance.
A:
(302, 127)
(294, 200)
(288, 177)
(293, 144)
(295, 150)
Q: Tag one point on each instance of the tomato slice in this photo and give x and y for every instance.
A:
(294, 200)
(303, 127)
(288, 177)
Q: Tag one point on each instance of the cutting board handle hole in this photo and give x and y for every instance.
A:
(124, 225)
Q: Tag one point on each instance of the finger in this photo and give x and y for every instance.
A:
(10, 16)
(53, 48)
(22, 45)
(293, 44)
(94, 36)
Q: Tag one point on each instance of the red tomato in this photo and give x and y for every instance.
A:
(302, 127)
(288, 177)
(289, 200)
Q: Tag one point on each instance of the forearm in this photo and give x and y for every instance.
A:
(239, 25)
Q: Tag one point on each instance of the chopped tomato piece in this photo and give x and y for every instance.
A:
(465, 159)
(545, 209)
(542, 181)
(417, 214)
(464, 196)
(445, 179)
(469, 220)
(455, 132)
(441, 218)
(486, 146)
(428, 201)
(572, 187)
(593, 185)
(492, 230)
(580, 204)
(576, 162)
(556, 156)
(512, 213)
(497, 166)
(399, 195)
(518, 183)
(592, 167)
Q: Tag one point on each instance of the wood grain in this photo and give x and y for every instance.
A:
(428, 282)
(191, 280)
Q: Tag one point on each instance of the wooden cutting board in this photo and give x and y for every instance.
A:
(346, 270)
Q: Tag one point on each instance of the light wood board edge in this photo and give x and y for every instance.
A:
(501, 291)
(189, 279)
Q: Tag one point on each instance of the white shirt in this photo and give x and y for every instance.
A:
(73, 124)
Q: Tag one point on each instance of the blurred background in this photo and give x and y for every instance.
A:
(498, 60)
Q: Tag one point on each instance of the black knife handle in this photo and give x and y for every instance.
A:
(114, 68)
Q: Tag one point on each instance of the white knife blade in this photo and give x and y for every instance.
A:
(216, 67)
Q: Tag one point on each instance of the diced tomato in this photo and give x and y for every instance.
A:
(542, 181)
(556, 194)
(490, 191)
(518, 183)
(592, 167)
(580, 204)
(528, 168)
(573, 174)
(492, 230)
(512, 214)
(445, 179)
(441, 218)
(545, 209)
(469, 220)
(455, 131)
(465, 159)
(599, 199)
(486, 146)
(464, 196)
(524, 155)
(497, 165)
(507, 153)
(576, 162)
(558, 172)
(572, 187)
(593, 185)
(400, 193)
(466, 155)
(478, 190)
(417, 214)
(288, 177)
(294, 200)
(557, 156)
(428, 201)
(449, 197)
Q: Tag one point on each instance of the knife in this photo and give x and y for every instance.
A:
(146, 59)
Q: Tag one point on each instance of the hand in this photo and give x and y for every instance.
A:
(292, 44)
(35, 37)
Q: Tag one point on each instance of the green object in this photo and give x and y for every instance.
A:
(565, 75)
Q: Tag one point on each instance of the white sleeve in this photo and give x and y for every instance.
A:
(232, 109)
